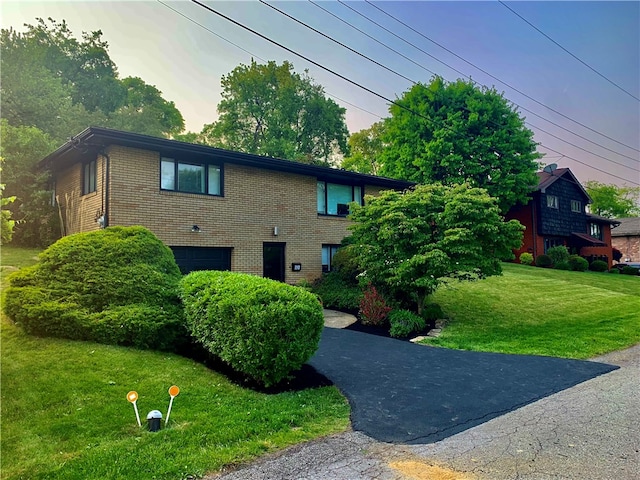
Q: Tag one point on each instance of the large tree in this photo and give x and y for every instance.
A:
(268, 109)
(612, 201)
(365, 148)
(455, 133)
(410, 242)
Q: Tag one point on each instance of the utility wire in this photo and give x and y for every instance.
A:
(258, 56)
(409, 79)
(456, 70)
(560, 46)
(494, 77)
(379, 95)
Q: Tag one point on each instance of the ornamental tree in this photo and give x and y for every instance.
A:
(411, 241)
(456, 133)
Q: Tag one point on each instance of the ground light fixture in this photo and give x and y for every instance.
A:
(154, 417)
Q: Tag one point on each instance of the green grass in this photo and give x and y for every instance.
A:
(65, 414)
(538, 311)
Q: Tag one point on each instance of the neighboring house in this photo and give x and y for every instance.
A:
(626, 238)
(556, 215)
(215, 208)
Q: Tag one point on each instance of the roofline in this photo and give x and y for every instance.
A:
(103, 137)
(547, 182)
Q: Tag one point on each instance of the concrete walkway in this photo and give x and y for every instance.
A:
(587, 432)
(336, 319)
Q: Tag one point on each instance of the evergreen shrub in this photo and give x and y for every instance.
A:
(543, 261)
(404, 323)
(261, 328)
(599, 266)
(116, 286)
(558, 254)
(627, 270)
(562, 266)
(526, 258)
(578, 264)
(337, 293)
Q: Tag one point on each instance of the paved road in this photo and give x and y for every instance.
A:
(587, 432)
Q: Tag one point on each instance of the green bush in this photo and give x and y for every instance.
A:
(337, 293)
(543, 261)
(614, 270)
(598, 266)
(262, 328)
(562, 266)
(117, 286)
(630, 271)
(432, 312)
(345, 263)
(578, 264)
(526, 258)
(404, 323)
(558, 254)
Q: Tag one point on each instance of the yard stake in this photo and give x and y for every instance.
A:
(173, 392)
(132, 396)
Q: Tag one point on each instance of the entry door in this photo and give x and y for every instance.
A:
(273, 261)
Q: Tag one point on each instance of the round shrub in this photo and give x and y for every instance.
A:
(345, 263)
(404, 323)
(262, 328)
(578, 264)
(598, 266)
(558, 254)
(627, 270)
(614, 270)
(526, 258)
(543, 261)
(120, 276)
(562, 266)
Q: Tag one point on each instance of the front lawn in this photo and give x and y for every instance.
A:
(65, 414)
(539, 311)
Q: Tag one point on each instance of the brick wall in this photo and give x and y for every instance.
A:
(255, 201)
(629, 246)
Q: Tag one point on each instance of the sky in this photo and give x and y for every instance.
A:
(584, 117)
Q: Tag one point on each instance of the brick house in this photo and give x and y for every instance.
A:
(215, 208)
(556, 215)
(626, 238)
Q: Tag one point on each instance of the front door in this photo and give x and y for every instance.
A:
(273, 261)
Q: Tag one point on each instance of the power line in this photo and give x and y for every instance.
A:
(574, 56)
(496, 78)
(409, 79)
(257, 56)
(456, 70)
(379, 95)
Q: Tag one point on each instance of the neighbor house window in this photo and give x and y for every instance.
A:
(595, 230)
(552, 201)
(89, 177)
(328, 251)
(576, 206)
(190, 177)
(334, 199)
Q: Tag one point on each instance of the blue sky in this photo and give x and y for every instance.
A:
(185, 61)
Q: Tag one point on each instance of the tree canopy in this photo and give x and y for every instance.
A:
(409, 242)
(268, 109)
(365, 148)
(612, 201)
(454, 133)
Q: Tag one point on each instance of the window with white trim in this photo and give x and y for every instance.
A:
(595, 230)
(334, 198)
(576, 206)
(190, 177)
(552, 201)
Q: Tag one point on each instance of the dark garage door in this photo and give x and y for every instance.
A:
(202, 258)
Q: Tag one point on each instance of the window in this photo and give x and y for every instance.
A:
(552, 201)
(89, 177)
(576, 206)
(550, 242)
(595, 230)
(334, 199)
(190, 177)
(328, 251)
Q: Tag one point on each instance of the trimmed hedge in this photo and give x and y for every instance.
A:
(599, 266)
(558, 254)
(337, 293)
(526, 258)
(578, 264)
(115, 286)
(262, 328)
(543, 261)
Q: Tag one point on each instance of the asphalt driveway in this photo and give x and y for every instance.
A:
(414, 394)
